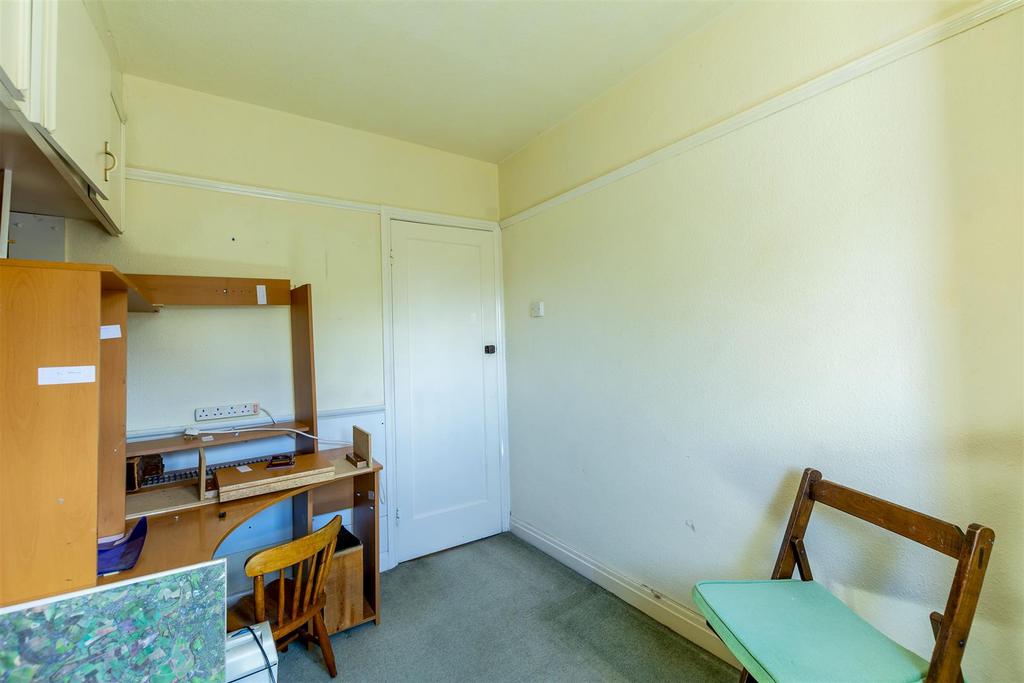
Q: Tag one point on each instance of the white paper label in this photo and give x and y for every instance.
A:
(72, 374)
(261, 294)
(110, 331)
(244, 468)
(207, 438)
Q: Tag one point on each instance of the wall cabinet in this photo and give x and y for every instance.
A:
(56, 78)
(112, 204)
(76, 89)
(15, 46)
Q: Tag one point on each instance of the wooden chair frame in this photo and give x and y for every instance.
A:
(303, 566)
(972, 550)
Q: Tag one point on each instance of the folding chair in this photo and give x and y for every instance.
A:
(788, 631)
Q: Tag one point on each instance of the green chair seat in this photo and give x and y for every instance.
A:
(792, 631)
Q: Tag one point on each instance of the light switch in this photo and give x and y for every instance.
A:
(537, 309)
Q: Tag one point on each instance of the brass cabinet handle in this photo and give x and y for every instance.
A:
(107, 170)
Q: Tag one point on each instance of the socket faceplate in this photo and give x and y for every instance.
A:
(227, 412)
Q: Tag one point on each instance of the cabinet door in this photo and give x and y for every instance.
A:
(15, 41)
(75, 112)
(49, 431)
(113, 179)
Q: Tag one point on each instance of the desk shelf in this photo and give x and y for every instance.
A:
(183, 495)
(164, 500)
(175, 444)
(171, 496)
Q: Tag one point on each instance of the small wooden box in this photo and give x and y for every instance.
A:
(345, 584)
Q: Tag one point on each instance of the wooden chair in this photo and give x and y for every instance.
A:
(293, 604)
(783, 630)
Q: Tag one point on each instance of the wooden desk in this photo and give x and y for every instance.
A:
(178, 539)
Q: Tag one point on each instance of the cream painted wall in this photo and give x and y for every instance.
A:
(183, 131)
(732, 64)
(183, 358)
(838, 286)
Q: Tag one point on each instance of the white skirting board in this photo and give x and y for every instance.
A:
(676, 616)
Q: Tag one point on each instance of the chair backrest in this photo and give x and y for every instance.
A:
(309, 559)
(972, 550)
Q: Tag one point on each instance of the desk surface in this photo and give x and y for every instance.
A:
(178, 539)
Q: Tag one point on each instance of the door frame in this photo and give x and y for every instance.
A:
(388, 214)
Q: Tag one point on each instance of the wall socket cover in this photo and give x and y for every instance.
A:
(227, 412)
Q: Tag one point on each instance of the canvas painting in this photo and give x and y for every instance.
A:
(158, 628)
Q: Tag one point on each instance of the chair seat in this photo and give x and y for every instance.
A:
(243, 612)
(797, 632)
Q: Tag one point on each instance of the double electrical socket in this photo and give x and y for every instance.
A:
(225, 412)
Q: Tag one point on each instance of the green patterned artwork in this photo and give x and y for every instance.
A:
(159, 628)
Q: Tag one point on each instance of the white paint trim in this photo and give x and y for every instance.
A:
(681, 619)
(389, 213)
(443, 220)
(812, 88)
(504, 466)
(343, 412)
(411, 215)
(390, 429)
(246, 190)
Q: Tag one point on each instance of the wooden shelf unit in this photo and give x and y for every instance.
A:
(188, 290)
(63, 449)
(184, 494)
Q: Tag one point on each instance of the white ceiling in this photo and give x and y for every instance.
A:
(476, 78)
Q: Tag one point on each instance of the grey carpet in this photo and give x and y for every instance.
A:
(501, 610)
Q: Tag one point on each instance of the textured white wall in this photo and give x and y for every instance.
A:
(838, 286)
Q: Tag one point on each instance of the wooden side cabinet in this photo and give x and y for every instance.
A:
(62, 404)
(49, 332)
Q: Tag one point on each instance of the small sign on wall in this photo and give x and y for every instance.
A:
(71, 374)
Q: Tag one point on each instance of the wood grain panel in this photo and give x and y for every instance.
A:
(333, 497)
(936, 534)
(303, 365)
(308, 469)
(365, 518)
(344, 587)
(111, 279)
(113, 375)
(191, 290)
(49, 435)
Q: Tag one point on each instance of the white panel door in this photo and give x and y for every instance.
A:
(444, 314)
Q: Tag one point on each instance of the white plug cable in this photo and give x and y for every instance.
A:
(194, 431)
